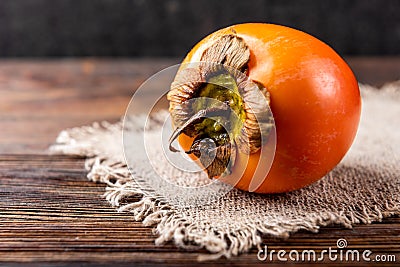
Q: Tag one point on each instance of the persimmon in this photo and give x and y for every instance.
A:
(311, 91)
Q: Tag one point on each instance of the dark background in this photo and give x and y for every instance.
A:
(54, 28)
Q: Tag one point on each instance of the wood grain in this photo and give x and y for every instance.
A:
(51, 215)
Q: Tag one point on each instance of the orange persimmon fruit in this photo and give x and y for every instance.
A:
(313, 95)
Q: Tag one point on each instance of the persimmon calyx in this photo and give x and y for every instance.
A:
(215, 103)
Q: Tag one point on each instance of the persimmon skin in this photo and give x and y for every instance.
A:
(315, 101)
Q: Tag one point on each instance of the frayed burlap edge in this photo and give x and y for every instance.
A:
(171, 226)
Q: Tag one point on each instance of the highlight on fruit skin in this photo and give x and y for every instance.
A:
(312, 92)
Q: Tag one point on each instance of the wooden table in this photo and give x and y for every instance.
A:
(51, 215)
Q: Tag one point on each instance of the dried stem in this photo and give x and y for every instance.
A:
(245, 106)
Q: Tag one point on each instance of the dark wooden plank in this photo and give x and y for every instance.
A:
(51, 215)
(40, 98)
(375, 70)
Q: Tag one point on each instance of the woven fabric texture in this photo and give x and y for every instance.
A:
(363, 188)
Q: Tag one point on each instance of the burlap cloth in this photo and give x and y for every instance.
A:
(363, 188)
